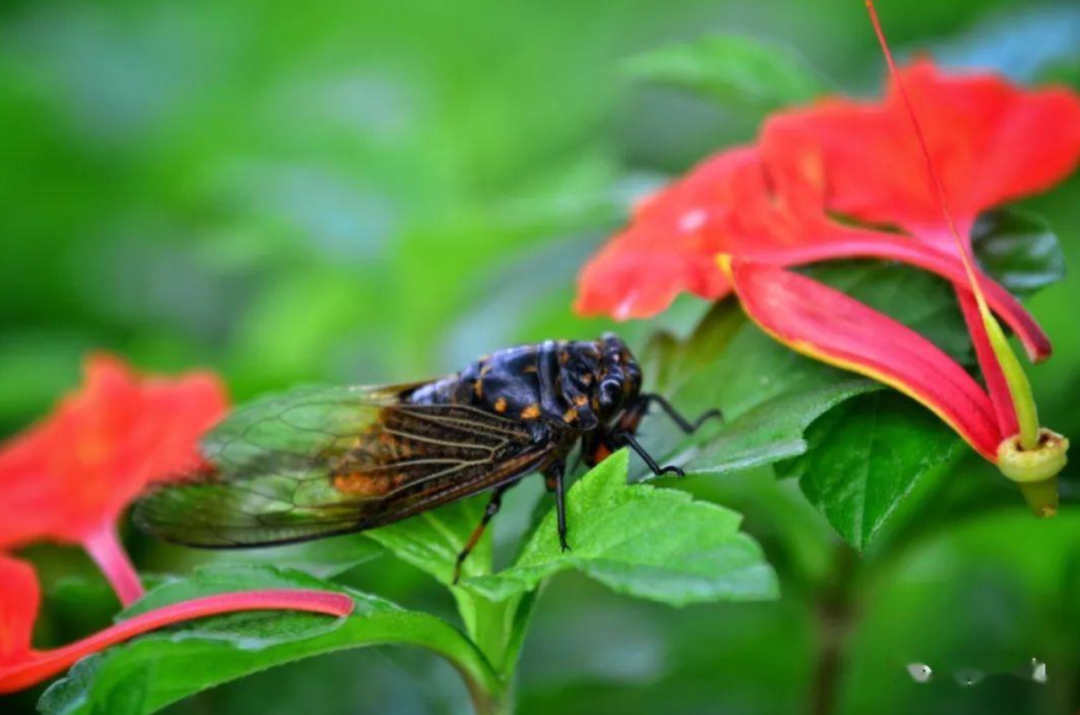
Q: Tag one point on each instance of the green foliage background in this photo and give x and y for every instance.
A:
(373, 192)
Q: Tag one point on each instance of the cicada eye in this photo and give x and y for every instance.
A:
(611, 393)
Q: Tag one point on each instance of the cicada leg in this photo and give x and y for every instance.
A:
(628, 422)
(633, 415)
(627, 439)
(553, 478)
(490, 511)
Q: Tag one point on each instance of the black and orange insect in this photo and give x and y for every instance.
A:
(316, 462)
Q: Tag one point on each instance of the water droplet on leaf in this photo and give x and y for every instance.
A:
(920, 672)
(969, 677)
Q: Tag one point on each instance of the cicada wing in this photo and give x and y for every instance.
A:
(315, 462)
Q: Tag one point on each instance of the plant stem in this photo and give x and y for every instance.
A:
(485, 703)
(104, 548)
(835, 616)
(497, 628)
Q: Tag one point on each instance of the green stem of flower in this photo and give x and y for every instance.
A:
(1027, 415)
(491, 626)
(1035, 470)
(485, 703)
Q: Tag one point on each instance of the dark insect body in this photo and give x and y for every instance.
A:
(316, 462)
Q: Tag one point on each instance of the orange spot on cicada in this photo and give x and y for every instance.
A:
(363, 485)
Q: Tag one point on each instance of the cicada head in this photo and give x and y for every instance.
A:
(619, 378)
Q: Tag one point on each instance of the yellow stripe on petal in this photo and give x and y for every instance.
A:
(827, 325)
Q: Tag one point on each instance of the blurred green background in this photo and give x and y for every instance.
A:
(371, 192)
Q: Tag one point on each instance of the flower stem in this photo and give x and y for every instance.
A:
(104, 548)
(835, 616)
(485, 703)
(1027, 415)
(1035, 470)
(39, 665)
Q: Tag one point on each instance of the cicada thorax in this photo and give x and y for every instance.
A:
(552, 386)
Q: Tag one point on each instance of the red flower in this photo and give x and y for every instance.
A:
(990, 140)
(777, 204)
(22, 666)
(68, 478)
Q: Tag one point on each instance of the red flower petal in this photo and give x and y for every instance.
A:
(629, 279)
(65, 477)
(666, 250)
(991, 141)
(21, 666)
(18, 608)
(827, 325)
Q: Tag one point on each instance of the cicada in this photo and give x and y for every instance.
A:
(317, 462)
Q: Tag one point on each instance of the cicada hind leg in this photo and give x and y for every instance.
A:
(490, 511)
(553, 476)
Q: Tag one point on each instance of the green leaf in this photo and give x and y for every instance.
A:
(323, 558)
(657, 544)
(1019, 249)
(160, 668)
(733, 69)
(768, 394)
(865, 457)
(432, 540)
(773, 430)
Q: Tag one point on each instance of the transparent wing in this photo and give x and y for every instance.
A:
(315, 462)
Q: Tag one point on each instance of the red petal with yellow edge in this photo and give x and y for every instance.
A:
(21, 666)
(837, 242)
(992, 142)
(829, 326)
